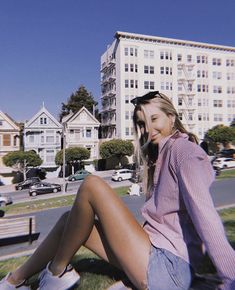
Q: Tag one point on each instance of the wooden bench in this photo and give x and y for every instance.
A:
(18, 230)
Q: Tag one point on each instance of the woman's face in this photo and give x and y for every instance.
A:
(161, 124)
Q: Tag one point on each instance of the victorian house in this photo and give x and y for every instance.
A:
(9, 136)
(81, 130)
(42, 133)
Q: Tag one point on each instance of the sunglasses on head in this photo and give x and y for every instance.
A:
(151, 95)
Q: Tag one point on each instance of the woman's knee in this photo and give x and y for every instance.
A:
(90, 184)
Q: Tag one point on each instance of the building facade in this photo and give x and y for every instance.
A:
(81, 130)
(198, 77)
(9, 136)
(43, 133)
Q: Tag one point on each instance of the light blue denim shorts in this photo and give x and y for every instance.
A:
(167, 271)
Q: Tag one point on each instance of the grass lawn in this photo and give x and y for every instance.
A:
(228, 173)
(98, 275)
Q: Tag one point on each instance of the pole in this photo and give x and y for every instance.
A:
(64, 145)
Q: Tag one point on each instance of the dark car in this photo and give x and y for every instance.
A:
(27, 183)
(43, 188)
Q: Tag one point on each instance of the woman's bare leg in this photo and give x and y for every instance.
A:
(128, 244)
(133, 244)
(42, 255)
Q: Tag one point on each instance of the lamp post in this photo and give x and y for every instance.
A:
(64, 145)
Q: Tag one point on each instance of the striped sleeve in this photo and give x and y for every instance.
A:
(195, 178)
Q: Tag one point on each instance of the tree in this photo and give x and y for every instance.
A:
(20, 160)
(77, 100)
(116, 147)
(221, 134)
(72, 155)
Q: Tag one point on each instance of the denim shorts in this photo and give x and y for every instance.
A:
(167, 271)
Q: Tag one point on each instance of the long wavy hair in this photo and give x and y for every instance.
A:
(147, 153)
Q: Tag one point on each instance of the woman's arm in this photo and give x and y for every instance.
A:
(195, 177)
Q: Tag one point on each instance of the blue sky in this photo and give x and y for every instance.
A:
(48, 48)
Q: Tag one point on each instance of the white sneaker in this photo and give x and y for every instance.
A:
(5, 285)
(68, 278)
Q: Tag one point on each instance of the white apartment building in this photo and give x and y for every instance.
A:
(198, 77)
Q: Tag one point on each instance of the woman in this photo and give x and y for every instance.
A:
(178, 212)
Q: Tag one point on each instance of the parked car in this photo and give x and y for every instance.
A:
(78, 175)
(5, 200)
(43, 187)
(224, 162)
(27, 183)
(122, 174)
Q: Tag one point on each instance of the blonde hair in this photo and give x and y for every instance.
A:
(145, 152)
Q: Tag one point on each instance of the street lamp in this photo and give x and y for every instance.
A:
(64, 145)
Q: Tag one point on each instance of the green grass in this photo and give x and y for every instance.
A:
(38, 205)
(226, 174)
(96, 274)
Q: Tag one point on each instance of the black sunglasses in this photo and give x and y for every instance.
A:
(151, 95)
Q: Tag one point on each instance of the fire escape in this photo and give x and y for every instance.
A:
(108, 100)
(186, 96)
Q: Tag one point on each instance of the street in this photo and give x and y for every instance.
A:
(223, 194)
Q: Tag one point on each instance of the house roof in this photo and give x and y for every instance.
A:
(38, 114)
(72, 117)
(10, 121)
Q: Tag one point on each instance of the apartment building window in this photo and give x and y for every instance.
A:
(217, 89)
(1, 122)
(127, 115)
(230, 90)
(127, 131)
(162, 70)
(216, 61)
(218, 103)
(136, 68)
(230, 76)
(126, 83)
(6, 140)
(199, 102)
(218, 117)
(189, 58)
(127, 99)
(180, 102)
(190, 116)
(179, 57)
(199, 117)
(180, 87)
(148, 69)
(126, 51)
(126, 67)
(131, 67)
(230, 62)
(148, 54)
(217, 75)
(149, 85)
(165, 55)
(181, 116)
(161, 55)
(231, 103)
(136, 84)
(202, 59)
(132, 83)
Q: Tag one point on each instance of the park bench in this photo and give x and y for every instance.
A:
(18, 230)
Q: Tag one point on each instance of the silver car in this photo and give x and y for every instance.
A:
(122, 174)
(5, 200)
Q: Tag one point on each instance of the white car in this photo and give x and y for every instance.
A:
(122, 174)
(224, 162)
(5, 200)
